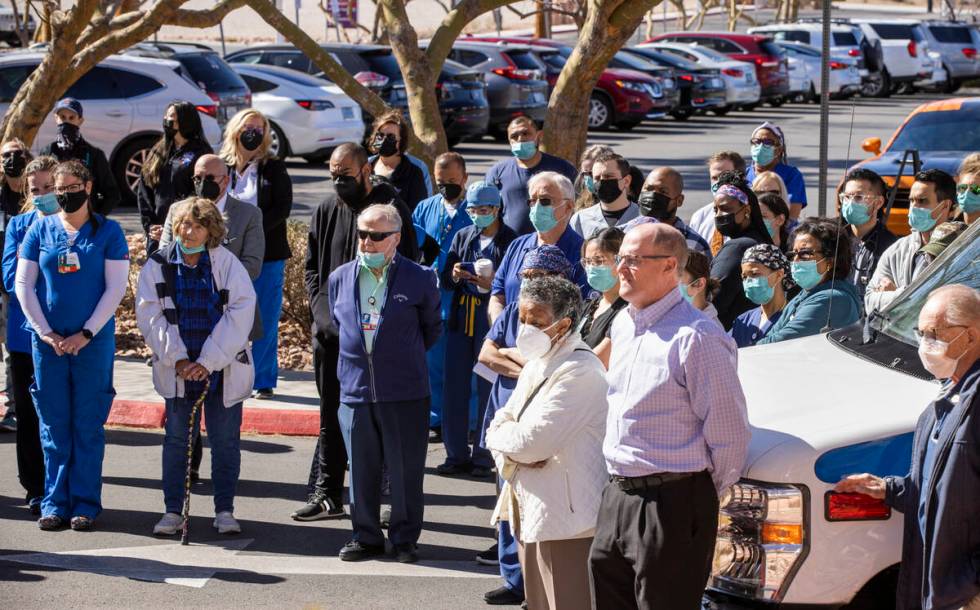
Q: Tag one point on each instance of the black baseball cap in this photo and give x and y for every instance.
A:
(69, 103)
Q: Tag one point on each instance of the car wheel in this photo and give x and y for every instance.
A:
(682, 115)
(877, 85)
(950, 86)
(722, 110)
(750, 107)
(600, 113)
(128, 166)
(279, 146)
(776, 102)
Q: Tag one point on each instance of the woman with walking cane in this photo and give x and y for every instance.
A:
(195, 306)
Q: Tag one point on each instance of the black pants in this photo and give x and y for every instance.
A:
(30, 458)
(653, 547)
(330, 455)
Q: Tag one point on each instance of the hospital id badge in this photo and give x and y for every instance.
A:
(68, 262)
(369, 321)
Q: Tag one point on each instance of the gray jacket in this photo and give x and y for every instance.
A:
(896, 264)
(244, 237)
(589, 220)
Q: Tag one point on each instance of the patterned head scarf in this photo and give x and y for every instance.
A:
(770, 257)
(779, 135)
(730, 190)
(547, 258)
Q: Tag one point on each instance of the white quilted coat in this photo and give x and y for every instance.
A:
(565, 425)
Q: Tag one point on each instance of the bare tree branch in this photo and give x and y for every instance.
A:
(452, 25)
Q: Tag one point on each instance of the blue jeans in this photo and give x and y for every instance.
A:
(224, 434)
(265, 351)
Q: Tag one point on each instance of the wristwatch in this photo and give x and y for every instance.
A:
(87, 334)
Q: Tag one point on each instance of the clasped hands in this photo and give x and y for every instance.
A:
(61, 345)
(191, 371)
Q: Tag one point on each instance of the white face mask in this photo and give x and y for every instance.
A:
(532, 341)
(932, 353)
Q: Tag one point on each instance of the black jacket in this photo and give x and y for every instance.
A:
(105, 191)
(275, 199)
(726, 267)
(867, 253)
(333, 242)
(408, 180)
(175, 183)
(10, 203)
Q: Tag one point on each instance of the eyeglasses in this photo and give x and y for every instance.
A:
(633, 261)
(595, 262)
(930, 334)
(973, 188)
(69, 188)
(758, 141)
(805, 254)
(856, 198)
(375, 235)
(545, 201)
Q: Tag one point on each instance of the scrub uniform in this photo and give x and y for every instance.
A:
(73, 394)
(748, 328)
(507, 280)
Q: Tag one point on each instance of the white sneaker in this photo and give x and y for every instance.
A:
(225, 523)
(168, 525)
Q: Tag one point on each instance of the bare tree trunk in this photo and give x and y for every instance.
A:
(608, 26)
(20, 26)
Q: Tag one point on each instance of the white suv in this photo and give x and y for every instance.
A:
(124, 99)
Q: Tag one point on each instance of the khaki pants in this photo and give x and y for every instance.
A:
(556, 574)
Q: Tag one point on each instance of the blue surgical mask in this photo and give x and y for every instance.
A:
(372, 260)
(921, 220)
(805, 274)
(524, 150)
(482, 221)
(969, 202)
(758, 290)
(769, 227)
(188, 250)
(46, 204)
(600, 277)
(589, 183)
(682, 288)
(763, 154)
(543, 217)
(855, 213)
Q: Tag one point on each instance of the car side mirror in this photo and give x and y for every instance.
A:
(872, 145)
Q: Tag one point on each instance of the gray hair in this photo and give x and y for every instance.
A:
(560, 295)
(385, 211)
(962, 304)
(561, 182)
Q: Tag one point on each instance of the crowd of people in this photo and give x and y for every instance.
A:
(558, 327)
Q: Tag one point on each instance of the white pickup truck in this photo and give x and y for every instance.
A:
(904, 49)
(820, 408)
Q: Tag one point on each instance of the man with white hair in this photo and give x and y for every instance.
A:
(940, 494)
(386, 310)
(551, 201)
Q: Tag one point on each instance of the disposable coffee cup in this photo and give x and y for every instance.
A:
(483, 268)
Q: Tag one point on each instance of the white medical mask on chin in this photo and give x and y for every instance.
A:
(532, 341)
(932, 353)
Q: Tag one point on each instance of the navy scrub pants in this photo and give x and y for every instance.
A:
(73, 395)
(394, 435)
(462, 350)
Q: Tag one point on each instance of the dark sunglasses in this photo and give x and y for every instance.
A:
(962, 188)
(546, 202)
(12, 153)
(804, 253)
(375, 235)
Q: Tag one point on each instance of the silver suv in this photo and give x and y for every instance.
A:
(957, 45)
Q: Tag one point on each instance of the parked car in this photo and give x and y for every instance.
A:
(771, 67)
(309, 116)
(8, 26)
(845, 78)
(124, 98)
(741, 87)
(785, 537)
(901, 42)
(943, 132)
(956, 44)
(701, 88)
(462, 92)
(622, 97)
(800, 81)
(202, 66)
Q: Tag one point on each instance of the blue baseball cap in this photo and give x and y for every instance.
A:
(480, 193)
(69, 103)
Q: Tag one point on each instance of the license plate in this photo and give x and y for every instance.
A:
(347, 112)
(716, 83)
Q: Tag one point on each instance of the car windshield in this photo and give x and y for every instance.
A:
(711, 54)
(624, 59)
(941, 130)
(215, 74)
(951, 34)
(958, 264)
(894, 31)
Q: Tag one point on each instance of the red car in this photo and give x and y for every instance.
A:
(771, 64)
(623, 98)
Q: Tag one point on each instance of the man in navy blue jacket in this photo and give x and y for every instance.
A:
(939, 497)
(386, 309)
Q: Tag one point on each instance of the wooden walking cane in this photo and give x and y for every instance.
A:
(186, 512)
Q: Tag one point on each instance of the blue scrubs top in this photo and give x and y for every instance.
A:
(431, 215)
(18, 329)
(511, 180)
(791, 176)
(69, 298)
(507, 280)
(748, 328)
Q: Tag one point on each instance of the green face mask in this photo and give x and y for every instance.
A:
(600, 277)
(187, 250)
(372, 260)
(482, 221)
(543, 217)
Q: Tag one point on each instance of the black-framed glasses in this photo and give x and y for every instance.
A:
(69, 188)
(805, 254)
(758, 141)
(633, 261)
(374, 235)
(545, 201)
(973, 188)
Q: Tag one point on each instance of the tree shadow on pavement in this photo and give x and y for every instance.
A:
(247, 488)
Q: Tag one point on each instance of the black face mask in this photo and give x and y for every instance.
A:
(655, 205)
(169, 131)
(449, 191)
(727, 224)
(14, 164)
(349, 188)
(608, 190)
(251, 139)
(72, 202)
(208, 189)
(68, 135)
(385, 145)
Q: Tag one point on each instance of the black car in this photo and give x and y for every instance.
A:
(701, 88)
(462, 92)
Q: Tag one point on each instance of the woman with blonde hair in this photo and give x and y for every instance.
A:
(194, 306)
(388, 143)
(258, 178)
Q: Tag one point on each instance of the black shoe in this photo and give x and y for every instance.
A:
(264, 394)
(9, 422)
(480, 472)
(407, 553)
(451, 470)
(320, 506)
(503, 597)
(34, 505)
(355, 551)
(385, 516)
(489, 557)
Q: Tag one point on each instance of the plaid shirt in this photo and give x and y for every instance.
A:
(198, 312)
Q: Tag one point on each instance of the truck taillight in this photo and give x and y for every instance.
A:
(913, 50)
(854, 507)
